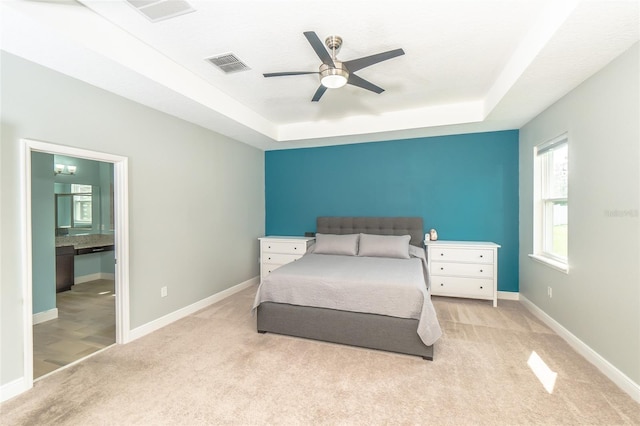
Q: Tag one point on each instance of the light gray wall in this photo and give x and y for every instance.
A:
(599, 300)
(196, 198)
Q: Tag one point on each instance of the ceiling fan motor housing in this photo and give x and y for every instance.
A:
(333, 42)
(333, 77)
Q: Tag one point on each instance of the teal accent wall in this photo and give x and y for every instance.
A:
(108, 263)
(93, 263)
(43, 233)
(464, 186)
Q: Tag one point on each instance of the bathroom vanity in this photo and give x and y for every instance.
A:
(70, 246)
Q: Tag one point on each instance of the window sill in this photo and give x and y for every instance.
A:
(559, 266)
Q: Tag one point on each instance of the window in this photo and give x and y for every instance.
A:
(552, 202)
(81, 205)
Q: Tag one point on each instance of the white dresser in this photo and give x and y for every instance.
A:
(277, 251)
(464, 269)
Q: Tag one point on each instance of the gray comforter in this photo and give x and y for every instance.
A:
(384, 286)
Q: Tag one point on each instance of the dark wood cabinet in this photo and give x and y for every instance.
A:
(64, 268)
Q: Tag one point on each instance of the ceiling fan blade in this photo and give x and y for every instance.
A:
(357, 64)
(354, 80)
(281, 74)
(319, 93)
(318, 46)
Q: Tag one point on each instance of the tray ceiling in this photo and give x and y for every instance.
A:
(468, 65)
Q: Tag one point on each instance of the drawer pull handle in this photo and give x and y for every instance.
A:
(442, 269)
(480, 270)
(441, 254)
(481, 256)
(269, 258)
(441, 285)
(481, 287)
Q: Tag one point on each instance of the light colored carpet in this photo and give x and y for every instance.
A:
(214, 368)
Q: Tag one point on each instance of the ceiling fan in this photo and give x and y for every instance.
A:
(334, 73)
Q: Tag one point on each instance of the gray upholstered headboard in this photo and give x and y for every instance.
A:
(373, 225)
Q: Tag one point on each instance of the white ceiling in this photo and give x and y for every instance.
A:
(469, 66)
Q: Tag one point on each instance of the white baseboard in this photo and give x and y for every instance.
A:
(157, 324)
(43, 316)
(92, 277)
(508, 295)
(14, 388)
(608, 369)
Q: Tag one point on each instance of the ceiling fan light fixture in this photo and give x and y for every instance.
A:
(333, 81)
(333, 77)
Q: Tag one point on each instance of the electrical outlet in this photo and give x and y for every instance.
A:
(549, 292)
(163, 292)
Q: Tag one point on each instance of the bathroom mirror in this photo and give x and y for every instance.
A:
(77, 208)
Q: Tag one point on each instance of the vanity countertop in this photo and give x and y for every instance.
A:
(85, 241)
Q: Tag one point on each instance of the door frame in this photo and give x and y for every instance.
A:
(121, 237)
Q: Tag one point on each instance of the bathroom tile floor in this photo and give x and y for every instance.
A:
(85, 324)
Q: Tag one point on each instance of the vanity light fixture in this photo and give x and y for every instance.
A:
(61, 169)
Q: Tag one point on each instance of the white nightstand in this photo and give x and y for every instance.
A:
(464, 269)
(276, 251)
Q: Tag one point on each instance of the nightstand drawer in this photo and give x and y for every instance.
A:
(477, 270)
(286, 247)
(462, 255)
(279, 258)
(462, 287)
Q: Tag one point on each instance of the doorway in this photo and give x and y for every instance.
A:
(73, 313)
(120, 218)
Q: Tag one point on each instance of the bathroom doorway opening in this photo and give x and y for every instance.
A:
(120, 239)
(73, 284)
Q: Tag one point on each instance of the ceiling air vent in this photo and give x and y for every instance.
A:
(159, 10)
(228, 63)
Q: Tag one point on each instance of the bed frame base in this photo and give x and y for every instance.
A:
(350, 328)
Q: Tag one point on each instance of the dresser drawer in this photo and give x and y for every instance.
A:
(285, 247)
(477, 270)
(279, 258)
(276, 251)
(464, 269)
(462, 287)
(462, 255)
(267, 268)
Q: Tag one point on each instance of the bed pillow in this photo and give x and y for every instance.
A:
(346, 245)
(395, 246)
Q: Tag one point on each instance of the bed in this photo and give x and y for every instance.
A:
(382, 326)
